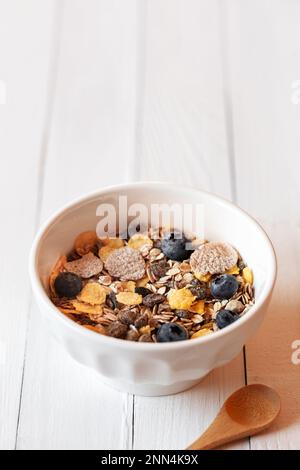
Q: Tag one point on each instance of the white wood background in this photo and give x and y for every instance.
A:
(106, 91)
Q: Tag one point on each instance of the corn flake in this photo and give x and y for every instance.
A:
(92, 293)
(197, 307)
(85, 242)
(81, 307)
(233, 270)
(129, 298)
(112, 242)
(181, 299)
(247, 275)
(140, 241)
(203, 332)
(202, 277)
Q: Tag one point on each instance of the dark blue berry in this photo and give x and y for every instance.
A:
(171, 332)
(225, 318)
(67, 285)
(143, 291)
(224, 286)
(173, 245)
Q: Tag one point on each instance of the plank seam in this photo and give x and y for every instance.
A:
(227, 95)
(51, 87)
(229, 120)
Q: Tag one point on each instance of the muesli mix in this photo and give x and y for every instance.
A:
(152, 287)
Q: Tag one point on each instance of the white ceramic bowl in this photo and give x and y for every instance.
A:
(147, 368)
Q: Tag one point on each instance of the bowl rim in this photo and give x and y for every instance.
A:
(43, 298)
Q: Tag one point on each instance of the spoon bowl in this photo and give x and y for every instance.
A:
(248, 411)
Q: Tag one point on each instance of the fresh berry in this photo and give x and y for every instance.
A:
(198, 289)
(224, 286)
(143, 291)
(225, 318)
(171, 332)
(67, 285)
(173, 245)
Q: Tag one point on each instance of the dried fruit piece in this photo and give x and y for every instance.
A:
(85, 242)
(248, 275)
(81, 307)
(132, 335)
(143, 291)
(197, 307)
(198, 289)
(129, 298)
(146, 338)
(152, 299)
(117, 329)
(87, 266)
(92, 293)
(203, 332)
(128, 317)
(184, 314)
(141, 321)
(181, 299)
(140, 242)
(126, 264)
(111, 301)
(213, 258)
(159, 269)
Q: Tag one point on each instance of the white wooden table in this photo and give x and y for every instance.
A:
(201, 92)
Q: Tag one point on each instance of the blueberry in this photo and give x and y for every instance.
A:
(143, 291)
(224, 287)
(67, 285)
(171, 332)
(225, 318)
(173, 245)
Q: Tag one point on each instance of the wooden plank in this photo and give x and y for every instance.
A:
(269, 354)
(25, 39)
(64, 405)
(263, 39)
(182, 137)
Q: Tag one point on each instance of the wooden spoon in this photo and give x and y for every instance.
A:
(246, 412)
